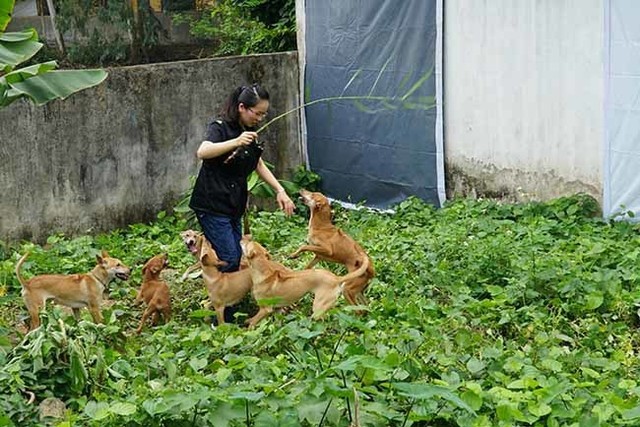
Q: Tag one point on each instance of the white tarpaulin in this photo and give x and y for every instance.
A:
(622, 139)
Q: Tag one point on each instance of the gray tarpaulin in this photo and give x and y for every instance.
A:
(377, 151)
(622, 139)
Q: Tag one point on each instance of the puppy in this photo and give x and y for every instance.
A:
(193, 241)
(330, 243)
(154, 291)
(274, 285)
(74, 290)
(224, 289)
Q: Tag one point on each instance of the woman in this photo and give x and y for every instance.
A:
(229, 153)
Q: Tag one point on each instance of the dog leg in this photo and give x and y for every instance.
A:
(166, 314)
(94, 309)
(325, 299)
(261, 314)
(189, 270)
(154, 316)
(34, 308)
(145, 315)
(318, 250)
(76, 313)
(220, 314)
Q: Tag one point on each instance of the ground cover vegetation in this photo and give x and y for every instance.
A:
(481, 314)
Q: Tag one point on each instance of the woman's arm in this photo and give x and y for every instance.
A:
(282, 198)
(209, 150)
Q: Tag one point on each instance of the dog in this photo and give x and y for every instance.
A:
(330, 243)
(193, 241)
(154, 291)
(73, 290)
(224, 289)
(275, 285)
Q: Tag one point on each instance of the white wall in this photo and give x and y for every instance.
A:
(524, 96)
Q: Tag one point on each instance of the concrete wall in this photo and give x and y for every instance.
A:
(524, 97)
(122, 151)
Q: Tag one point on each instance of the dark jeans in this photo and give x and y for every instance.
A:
(224, 234)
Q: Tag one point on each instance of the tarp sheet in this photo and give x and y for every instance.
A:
(382, 149)
(622, 139)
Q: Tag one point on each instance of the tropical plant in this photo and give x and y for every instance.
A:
(40, 82)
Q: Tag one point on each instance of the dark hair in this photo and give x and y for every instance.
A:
(247, 95)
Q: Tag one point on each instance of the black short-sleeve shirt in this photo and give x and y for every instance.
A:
(221, 185)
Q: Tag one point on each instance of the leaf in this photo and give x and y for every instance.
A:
(96, 410)
(6, 8)
(422, 391)
(594, 300)
(197, 364)
(247, 395)
(474, 365)
(123, 408)
(16, 52)
(630, 414)
(58, 84)
(312, 411)
(539, 409)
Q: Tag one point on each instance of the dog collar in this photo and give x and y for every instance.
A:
(98, 279)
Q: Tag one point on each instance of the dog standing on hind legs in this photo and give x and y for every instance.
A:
(154, 291)
(329, 243)
(72, 290)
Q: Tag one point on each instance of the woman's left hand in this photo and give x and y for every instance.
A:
(285, 202)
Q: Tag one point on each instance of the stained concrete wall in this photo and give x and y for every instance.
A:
(524, 97)
(122, 151)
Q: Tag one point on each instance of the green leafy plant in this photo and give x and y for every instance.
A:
(39, 82)
(241, 27)
(482, 313)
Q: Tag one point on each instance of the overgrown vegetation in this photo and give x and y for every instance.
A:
(240, 27)
(481, 314)
(107, 33)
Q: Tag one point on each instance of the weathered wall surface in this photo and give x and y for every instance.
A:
(524, 97)
(124, 150)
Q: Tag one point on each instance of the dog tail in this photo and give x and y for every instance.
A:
(356, 273)
(18, 265)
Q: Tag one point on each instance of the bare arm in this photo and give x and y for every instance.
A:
(282, 198)
(209, 150)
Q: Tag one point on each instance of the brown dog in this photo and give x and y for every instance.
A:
(275, 285)
(224, 289)
(73, 290)
(330, 243)
(154, 291)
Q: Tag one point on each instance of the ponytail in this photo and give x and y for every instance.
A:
(249, 96)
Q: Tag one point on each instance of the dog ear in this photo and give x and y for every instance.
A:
(100, 259)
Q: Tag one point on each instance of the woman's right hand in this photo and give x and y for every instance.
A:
(246, 138)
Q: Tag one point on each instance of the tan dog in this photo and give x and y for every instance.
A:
(330, 243)
(275, 285)
(73, 290)
(193, 241)
(154, 291)
(224, 289)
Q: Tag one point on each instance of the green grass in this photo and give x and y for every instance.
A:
(481, 314)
